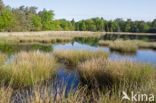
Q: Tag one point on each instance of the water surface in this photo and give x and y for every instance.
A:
(142, 55)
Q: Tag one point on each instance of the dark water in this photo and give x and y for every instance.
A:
(142, 55)
(66, 79)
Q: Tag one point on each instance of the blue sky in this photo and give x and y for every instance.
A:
(83, 9)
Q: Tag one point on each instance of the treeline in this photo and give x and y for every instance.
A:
(28, 19)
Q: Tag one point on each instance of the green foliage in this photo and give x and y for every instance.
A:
(28, 19)
(6, 20)
(46, 19)
(37, 25)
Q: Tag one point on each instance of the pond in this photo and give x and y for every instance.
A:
(69, 78)
(142, 55)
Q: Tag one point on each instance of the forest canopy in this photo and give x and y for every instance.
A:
(28, 19)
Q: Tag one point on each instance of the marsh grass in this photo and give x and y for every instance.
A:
(44, 40)
(44, 95)
(104, 42)
(74, 57)
(45, 37)
(123, 46)
(28, 69)
(127, 46)
(147, 45)
(108, 73)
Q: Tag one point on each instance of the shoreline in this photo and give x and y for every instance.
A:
(53, 33)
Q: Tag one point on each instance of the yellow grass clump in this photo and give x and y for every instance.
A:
(114, 72)
(27, 69)
(123, 46)
(74, 57)
(104, 42)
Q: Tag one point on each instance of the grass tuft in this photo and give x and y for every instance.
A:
(113, 72)
(28, 69)
(104, 42)
(74, 57)
(123, 46)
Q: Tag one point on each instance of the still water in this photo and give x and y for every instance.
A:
(69, 78)
(142, 55)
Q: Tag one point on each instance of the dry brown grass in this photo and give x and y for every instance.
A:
(45, 37)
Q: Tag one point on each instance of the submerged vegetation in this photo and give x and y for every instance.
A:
(88, 40)
(9, 48)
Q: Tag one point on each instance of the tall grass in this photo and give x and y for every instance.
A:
(44, 95)
(114, 72)
(27, 69)
(74, 57)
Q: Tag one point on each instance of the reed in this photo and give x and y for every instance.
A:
(28, 69)
(74, 57)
